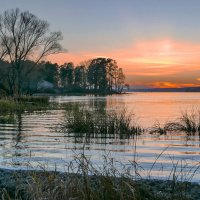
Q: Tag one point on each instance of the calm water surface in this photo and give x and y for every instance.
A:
(33, 142)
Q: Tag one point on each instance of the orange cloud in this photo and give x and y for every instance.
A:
(171, 85)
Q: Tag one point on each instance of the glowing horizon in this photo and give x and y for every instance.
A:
(161, 61)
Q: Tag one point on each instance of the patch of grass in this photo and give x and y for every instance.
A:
(6, 104)
(158, 128)
(34, 99)
(82, 120)
(25, 104)
(7, 119)
(188, 123)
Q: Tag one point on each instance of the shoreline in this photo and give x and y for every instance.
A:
(19, 180)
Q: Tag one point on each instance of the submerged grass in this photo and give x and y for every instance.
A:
(158, 128)
(93, 122)
(188, 123)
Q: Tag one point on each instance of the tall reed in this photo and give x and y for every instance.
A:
(188, 123)
(81, 120)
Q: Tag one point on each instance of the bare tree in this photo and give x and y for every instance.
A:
(3, 52)
(23, 36)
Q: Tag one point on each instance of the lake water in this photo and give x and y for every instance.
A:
(33, 142)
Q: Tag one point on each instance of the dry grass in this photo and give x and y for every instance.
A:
(85, 181)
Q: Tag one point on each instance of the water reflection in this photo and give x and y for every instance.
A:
(30, 138)
(19, 128)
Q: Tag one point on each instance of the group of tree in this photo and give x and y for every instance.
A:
(25, 40)
(100, 75)
(97, 75)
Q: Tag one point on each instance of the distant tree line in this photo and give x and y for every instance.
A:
(100, 75)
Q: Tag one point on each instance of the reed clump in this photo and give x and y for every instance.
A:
(188, 123)
(158, 128)
(81, 120)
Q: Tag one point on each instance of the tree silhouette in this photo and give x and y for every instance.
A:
(97, 74)
(23, 36)
(80, 77)
(105, 76)
(67, 75)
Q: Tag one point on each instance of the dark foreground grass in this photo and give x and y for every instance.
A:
(85, 181)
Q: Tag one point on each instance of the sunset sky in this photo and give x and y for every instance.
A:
(156, 42)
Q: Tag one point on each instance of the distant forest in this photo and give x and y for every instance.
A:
(25, 40)
(100, 75)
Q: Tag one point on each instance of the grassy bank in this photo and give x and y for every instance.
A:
(86, 181)
(7, 119)
(56, 186)
(24, 103)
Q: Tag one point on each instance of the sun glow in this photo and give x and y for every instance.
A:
(166, 47)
